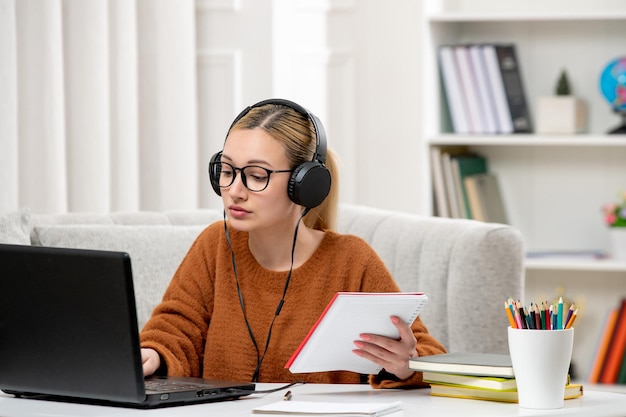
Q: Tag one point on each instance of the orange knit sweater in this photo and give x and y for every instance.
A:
(199, 328)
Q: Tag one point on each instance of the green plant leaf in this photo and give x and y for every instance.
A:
(562, 85)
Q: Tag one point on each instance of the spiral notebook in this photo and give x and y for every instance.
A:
(328, 345)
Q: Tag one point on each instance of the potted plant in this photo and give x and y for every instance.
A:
(615, 218)
(561, 113)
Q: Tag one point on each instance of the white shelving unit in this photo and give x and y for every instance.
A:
(553, 185)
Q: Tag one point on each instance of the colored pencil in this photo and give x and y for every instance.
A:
(570, 311)
(509, 315)
(521, 314)
(571, 320)
(539, 317)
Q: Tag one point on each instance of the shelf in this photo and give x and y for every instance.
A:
(530, 140)
(552, 186)
(561, 264)
(525, 16)
(620, 388)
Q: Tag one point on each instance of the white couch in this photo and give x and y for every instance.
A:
(467, 268)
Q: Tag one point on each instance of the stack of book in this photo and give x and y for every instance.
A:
(483, 88)
(609, 363)
(464, 187)
(480, 376)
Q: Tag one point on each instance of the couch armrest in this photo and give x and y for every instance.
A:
(467, 268)
(486, 267)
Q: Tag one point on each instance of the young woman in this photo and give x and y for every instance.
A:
(251, 287)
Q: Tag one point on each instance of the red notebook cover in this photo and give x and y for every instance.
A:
(308, 336)
(329, 343)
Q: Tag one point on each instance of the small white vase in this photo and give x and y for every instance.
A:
(560, 114)
(618, 243)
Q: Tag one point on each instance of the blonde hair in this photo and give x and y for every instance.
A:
(296, 133)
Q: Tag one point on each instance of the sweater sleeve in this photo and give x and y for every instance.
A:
(426, 345)
(178, 325)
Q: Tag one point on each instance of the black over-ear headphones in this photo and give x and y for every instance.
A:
(310, 181)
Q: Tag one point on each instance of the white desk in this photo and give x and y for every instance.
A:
(415, 403)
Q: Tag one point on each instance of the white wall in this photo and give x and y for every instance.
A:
(355, 64)
(234, 70)
(388, 97)
(119, 104)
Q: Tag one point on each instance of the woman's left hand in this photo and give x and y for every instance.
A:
(392, 354)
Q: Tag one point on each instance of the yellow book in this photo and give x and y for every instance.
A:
(470, 381)
(456, 391)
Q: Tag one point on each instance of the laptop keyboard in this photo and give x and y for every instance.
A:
(163, 385)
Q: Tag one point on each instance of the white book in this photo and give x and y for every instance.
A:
(458, 188)
(494, 74)
(453, 88)
(486, 202)
(470, 89)
(488, 107)
(328, 345)
(491, 197)
(466, 363)
(439, 187)
(450, 184)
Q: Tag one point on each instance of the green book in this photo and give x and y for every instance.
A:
(464, 166)
(621, 376)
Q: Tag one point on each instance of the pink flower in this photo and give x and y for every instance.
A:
(609, 207)
(615, 213)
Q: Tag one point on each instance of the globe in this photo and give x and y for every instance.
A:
(613, 88)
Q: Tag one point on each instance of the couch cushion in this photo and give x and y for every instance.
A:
(155, 252)
(194, 216)
(70, 218)
(15, 227)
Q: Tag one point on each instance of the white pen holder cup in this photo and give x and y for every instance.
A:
(541, 360)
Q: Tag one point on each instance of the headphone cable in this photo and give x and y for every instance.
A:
(279, 307)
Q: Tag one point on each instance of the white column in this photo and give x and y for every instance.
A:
(124, 127)
(41, 113)
(8, 108)
(167, 104)
(87, 104)
(315, 63)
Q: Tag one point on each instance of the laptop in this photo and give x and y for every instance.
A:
(68, 331)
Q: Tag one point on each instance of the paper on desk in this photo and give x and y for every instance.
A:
(328, 345)
(322, 408)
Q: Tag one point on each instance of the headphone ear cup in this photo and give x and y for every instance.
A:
(309, 184)
(214, 173)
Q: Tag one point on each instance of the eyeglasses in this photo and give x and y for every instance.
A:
(253, 177)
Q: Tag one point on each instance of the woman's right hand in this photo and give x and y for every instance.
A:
(150, 361)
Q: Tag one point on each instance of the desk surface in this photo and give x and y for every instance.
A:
(415, 403)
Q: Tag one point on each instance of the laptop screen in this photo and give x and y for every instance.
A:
(68, 324)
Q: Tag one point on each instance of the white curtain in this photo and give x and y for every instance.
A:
(98, 106)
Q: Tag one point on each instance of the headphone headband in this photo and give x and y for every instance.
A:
(318, 127)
